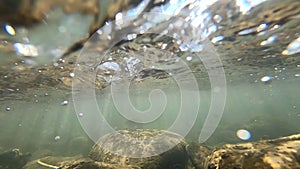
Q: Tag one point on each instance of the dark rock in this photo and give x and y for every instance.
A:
(13, 159)
(198, 153)
(278, 153)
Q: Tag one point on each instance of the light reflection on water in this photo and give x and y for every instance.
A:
(261, 63)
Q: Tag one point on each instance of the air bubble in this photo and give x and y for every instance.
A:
(189, 58)
(257, 29)
(164, 46)
(131, 36)
(275, 27)
(107, 66)
(10, 30)
(56, 138)
(217, 39)
(247, 31)
(262, 27)
(61, 60)
(11, 90)
(292, 48)
(266, 79)
(72, 74)
(270, 40)
(64, 102)
(217, 18)
(243, 134)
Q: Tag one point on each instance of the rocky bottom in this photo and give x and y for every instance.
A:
(114, 151)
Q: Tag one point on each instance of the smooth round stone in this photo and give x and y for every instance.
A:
(125, 150)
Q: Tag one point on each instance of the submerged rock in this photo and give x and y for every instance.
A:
(277, 153)
(69, 163)
(13, 159)
(24, 12)
(93, 165)
(198, 153)
(142, 142)
(283, 152)
(50, 162)
(176, 156)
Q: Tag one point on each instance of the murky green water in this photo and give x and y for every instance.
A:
(43, 125)
(265, 110)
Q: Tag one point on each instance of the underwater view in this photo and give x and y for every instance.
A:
(141, 84)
